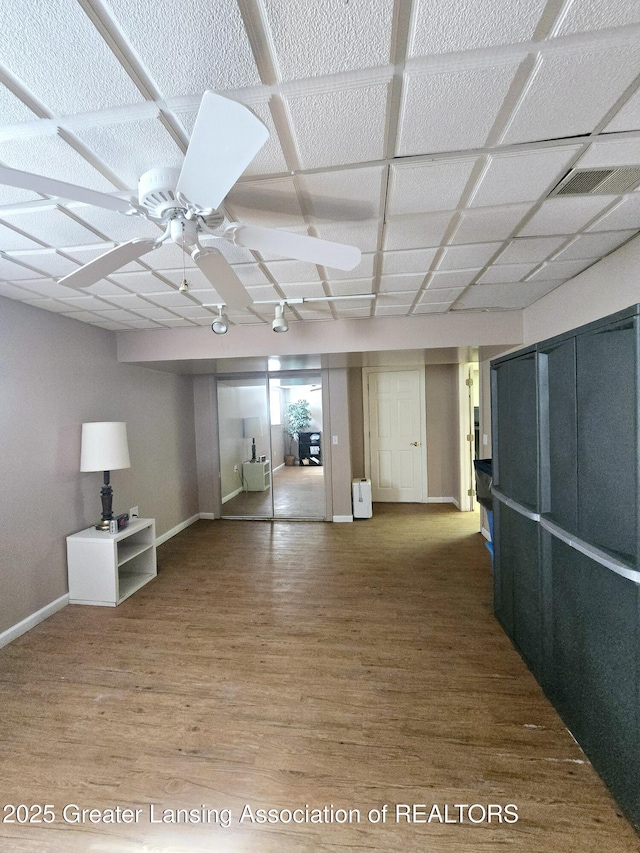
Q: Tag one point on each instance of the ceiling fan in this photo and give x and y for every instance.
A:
(186, 202)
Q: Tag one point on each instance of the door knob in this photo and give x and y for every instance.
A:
(415, 444)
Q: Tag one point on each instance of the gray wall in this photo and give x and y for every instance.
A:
(56, 373)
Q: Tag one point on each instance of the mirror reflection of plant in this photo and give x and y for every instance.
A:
(297, 419)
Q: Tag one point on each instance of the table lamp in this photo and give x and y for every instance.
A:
(104, 448)
(252, 427)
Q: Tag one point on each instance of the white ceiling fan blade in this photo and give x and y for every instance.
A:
(49, 186)
(224, 280)
(108, 263)
(225, 139)
(312, 249)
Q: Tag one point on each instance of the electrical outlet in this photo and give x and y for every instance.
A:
(133, 512)
(236, 469)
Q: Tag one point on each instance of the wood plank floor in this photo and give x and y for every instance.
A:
(276, 665)
(298, 492)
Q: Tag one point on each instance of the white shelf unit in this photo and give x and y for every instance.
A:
(256, 476)
(105, 568)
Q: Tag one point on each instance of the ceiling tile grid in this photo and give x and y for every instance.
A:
(428, 134)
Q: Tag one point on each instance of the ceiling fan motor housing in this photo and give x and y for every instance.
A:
(157, 192)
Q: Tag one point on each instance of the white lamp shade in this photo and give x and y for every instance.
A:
(104, 446)
(252, 427)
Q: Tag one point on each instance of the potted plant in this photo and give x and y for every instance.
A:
(297, 418)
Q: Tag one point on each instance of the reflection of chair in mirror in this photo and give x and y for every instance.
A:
(310, 448)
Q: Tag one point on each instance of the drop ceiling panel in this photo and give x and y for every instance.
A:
(427, 134)
(12, 109)
(250, 274)
(432, 308)
(47, 261)
(362, 270)
(565, 215)
(452, 110)
(529, 250)
(581, 15)
(427, 187)
(416, 261)
(594, 245)
(119, 147)
(299, 291)
(313, 39)
(351, 288)
(416, 232)
(287, 271)
(626, 214)
(488, 224)
(439, 27)
(409, 282)
(51, 226)
(571, 91)
(451, 278)
(522, 176)
(142, 282)
(11, 271)
(49, 155)
(10, 239)
(188, 51)
(505, 296)
(50, 288)
(560, 270)
(611, 152)
(504, 273)
(465, 257)
(344, 195)
(116, 227)
(627, 117)
(34, 37)
(439, 295)
(272, 203)
(339, 127)
(364, 235)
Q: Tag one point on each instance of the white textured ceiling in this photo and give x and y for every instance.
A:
(428, 133)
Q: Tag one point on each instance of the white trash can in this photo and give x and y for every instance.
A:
(362, 499)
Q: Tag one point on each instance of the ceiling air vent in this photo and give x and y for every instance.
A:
(598, 181)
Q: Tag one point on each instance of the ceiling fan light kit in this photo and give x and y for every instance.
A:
(187, 203)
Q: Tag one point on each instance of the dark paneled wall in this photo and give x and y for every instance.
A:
(566, 452)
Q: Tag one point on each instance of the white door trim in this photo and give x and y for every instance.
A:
(366, 373)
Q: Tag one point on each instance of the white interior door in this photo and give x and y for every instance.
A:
(397, 453)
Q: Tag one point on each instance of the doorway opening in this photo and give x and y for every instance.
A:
(271, 464)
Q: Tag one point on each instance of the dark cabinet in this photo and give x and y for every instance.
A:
(566, 461)
(515, 467)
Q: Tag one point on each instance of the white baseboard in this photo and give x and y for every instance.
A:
(177, 529)
(207, 515)
(485, 533)
(340, 518)
(31, 621)
(453, 501)
(231, 495)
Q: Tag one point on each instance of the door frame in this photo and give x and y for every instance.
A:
(366, 373)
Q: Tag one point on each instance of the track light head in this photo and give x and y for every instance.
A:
(220, 325)
(279, 323)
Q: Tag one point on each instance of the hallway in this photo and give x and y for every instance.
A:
(331, 668)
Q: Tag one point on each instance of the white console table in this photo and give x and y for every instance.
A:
(105, 568)
(256, 476)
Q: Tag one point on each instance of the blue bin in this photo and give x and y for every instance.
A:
(489, 544)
